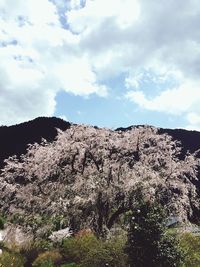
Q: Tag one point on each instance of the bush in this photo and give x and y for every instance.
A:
(76, 248)
(48, 259)
(88, 251)
(32, 249)
(11, 259)
(148, 242)
(191, 247)
(115, 248)
(97, 257)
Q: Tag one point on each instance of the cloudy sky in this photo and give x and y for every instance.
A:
(102, 62)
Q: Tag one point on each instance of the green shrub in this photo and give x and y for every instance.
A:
(31, 250)
(97, 257)
(46, 263)
(76, 248)
(88, 251)
(191, 247)
(116, 249)
(48, 259)
(8, 259)
(43, 244)
(107, 253)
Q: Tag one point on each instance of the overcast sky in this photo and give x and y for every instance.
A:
(102, 62)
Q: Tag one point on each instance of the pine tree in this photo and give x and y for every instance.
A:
(148, 242)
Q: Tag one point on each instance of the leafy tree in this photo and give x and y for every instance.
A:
(148, 242)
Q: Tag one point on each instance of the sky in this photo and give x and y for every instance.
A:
(108, 63)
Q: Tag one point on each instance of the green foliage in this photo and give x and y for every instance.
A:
(43, 244)
(59, 222)
(31, 250)
(11, 259)
(149, 244)
(126, 217)
(46, 263)
(97, 257)
(76, 248)
(106, 254)
(191, 247)
(48, 259)
(88, 251)
(17, 219)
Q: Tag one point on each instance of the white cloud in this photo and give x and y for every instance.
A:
(78, 78)
(32, 10)
(193, 118)
(139, 34)
(177, 100)
(182, 101)
(38, 57)
(193, 121)
(104, 38)
(63, 117)
(93, 15)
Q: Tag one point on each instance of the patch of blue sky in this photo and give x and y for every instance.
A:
(6, 43)
(62, 7)
(111, 112)
(116, 110)
(22, 21)
(63, 20)
(115, 85)
(152, 84)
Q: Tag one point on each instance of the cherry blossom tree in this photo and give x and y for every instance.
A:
(91, 176)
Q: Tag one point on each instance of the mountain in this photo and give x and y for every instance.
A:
(14, 139)
(90, 177)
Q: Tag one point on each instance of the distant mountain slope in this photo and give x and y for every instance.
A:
(14, 139)
(190, 139)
